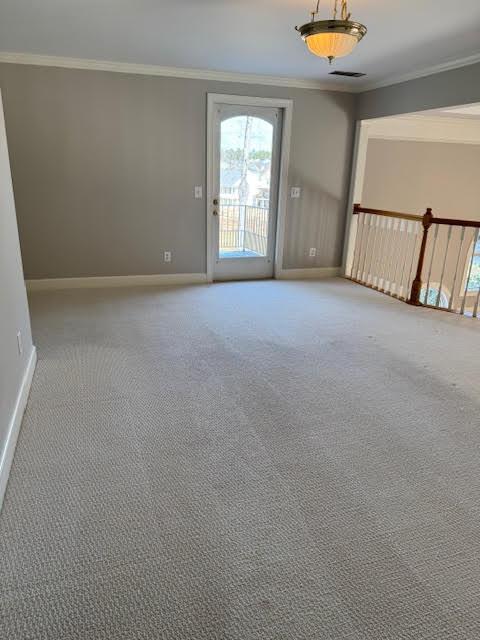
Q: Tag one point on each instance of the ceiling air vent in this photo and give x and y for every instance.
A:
(349, 74)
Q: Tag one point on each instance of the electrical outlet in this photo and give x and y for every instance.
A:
(295, 192)
(198, 193)
(19, 343)
(167, 256)
(313, 252)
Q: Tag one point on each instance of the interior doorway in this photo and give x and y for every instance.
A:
(407, 167)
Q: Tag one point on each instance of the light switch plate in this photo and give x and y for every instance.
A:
(198, 192)
(295, 192)
(313, 252)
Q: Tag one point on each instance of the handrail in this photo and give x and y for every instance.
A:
(388, 214)
(248, 206)
(357, 208)
(427, 220)
(459, 223)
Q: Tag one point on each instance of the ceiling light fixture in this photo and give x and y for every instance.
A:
(332, 38)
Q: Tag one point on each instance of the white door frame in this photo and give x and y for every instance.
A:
(287, 107)
(359, 161)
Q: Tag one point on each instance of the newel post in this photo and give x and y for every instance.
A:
(417, 283)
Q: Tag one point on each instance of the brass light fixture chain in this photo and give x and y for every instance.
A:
(344, 10)
(345, 14)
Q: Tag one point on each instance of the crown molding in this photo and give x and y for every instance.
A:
(420, 138)
(168, 72)
(422, 73)
(431, 118)
(424, 129)
(224, 76)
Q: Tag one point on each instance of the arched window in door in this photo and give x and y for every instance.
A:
(246, 150)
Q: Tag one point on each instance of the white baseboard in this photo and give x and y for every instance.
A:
(50, 284)
(15, 423)
(116, 281)
(312, 273)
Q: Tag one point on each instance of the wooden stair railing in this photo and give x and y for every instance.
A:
(376, 258)
(417, 283)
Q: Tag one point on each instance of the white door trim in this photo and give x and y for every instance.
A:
(13, 430)
(287, 107)
(359, 161)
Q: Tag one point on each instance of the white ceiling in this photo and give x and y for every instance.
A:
(405, 37)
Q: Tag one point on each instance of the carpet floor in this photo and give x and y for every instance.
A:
(245, 461)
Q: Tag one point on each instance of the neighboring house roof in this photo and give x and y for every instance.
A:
(230, 177)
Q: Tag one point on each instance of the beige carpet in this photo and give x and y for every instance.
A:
(245, 461)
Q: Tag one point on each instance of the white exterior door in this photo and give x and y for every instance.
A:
(245, 159)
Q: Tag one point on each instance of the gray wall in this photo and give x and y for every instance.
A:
(13, 300)
(411, 176)
(104, 167)
(450, 88)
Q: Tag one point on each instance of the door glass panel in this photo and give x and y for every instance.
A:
(246, 144)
